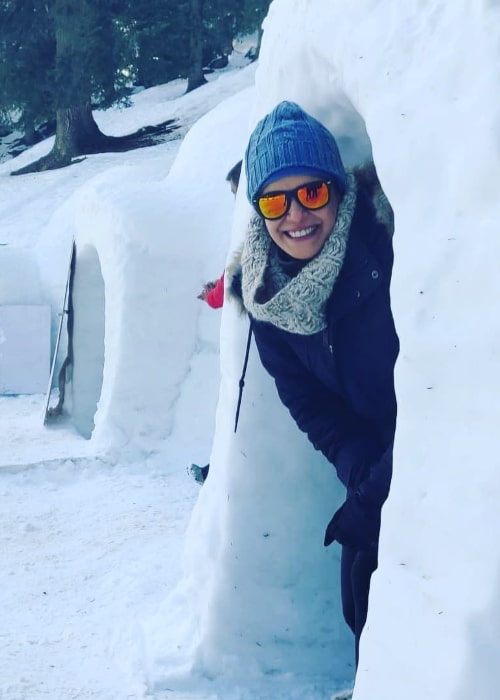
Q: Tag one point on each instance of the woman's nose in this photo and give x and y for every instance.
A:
(296, 212)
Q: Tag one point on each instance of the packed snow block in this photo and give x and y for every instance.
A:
(144, 248)
(19, 276)
(428, 93)
(131, 345)
(262, 586)
(24, 343)
(426, 100)
(24, 349)
(141, 248)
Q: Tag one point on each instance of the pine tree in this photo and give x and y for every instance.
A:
(252, 16)
(194, 10)
(220, 25)
(158, 31)
(80, 72)
(27, 58)
(65, 58)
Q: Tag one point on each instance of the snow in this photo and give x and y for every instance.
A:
(121, 577)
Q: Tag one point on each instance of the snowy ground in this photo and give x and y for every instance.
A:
(82, 542)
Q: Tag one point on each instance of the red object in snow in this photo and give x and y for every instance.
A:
(215, 296)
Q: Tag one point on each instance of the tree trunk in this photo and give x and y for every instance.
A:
(29, 136)
(76, 131)
(195, 77)
(76, 134)
(260, 34)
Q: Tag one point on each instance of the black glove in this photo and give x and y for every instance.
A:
(356, 524)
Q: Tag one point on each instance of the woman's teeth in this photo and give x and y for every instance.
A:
(303, 232)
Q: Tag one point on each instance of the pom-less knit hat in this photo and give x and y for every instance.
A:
(288, 141)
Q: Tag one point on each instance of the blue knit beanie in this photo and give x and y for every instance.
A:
(288, 141)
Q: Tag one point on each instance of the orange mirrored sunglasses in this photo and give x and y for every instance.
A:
(312, 195)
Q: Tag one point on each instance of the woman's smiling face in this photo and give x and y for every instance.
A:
(301, 232)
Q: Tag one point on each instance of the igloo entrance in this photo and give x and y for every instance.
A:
(88, 302)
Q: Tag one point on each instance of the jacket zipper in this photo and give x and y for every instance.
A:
(326, 341)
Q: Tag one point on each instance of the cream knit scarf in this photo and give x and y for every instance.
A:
(296, 304)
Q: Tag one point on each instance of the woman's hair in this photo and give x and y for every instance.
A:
(234, 174)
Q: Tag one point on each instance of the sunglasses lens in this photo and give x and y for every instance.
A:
(314, 195)
(273, 206)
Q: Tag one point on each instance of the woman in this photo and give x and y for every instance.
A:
(315, 273)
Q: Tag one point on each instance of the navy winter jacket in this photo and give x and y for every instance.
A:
(338, 384)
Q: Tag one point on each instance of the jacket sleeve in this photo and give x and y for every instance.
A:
(215, 297)
(357, 522)
(346, 439)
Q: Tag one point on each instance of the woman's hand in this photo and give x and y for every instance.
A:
(207, 287)
(355, 525)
